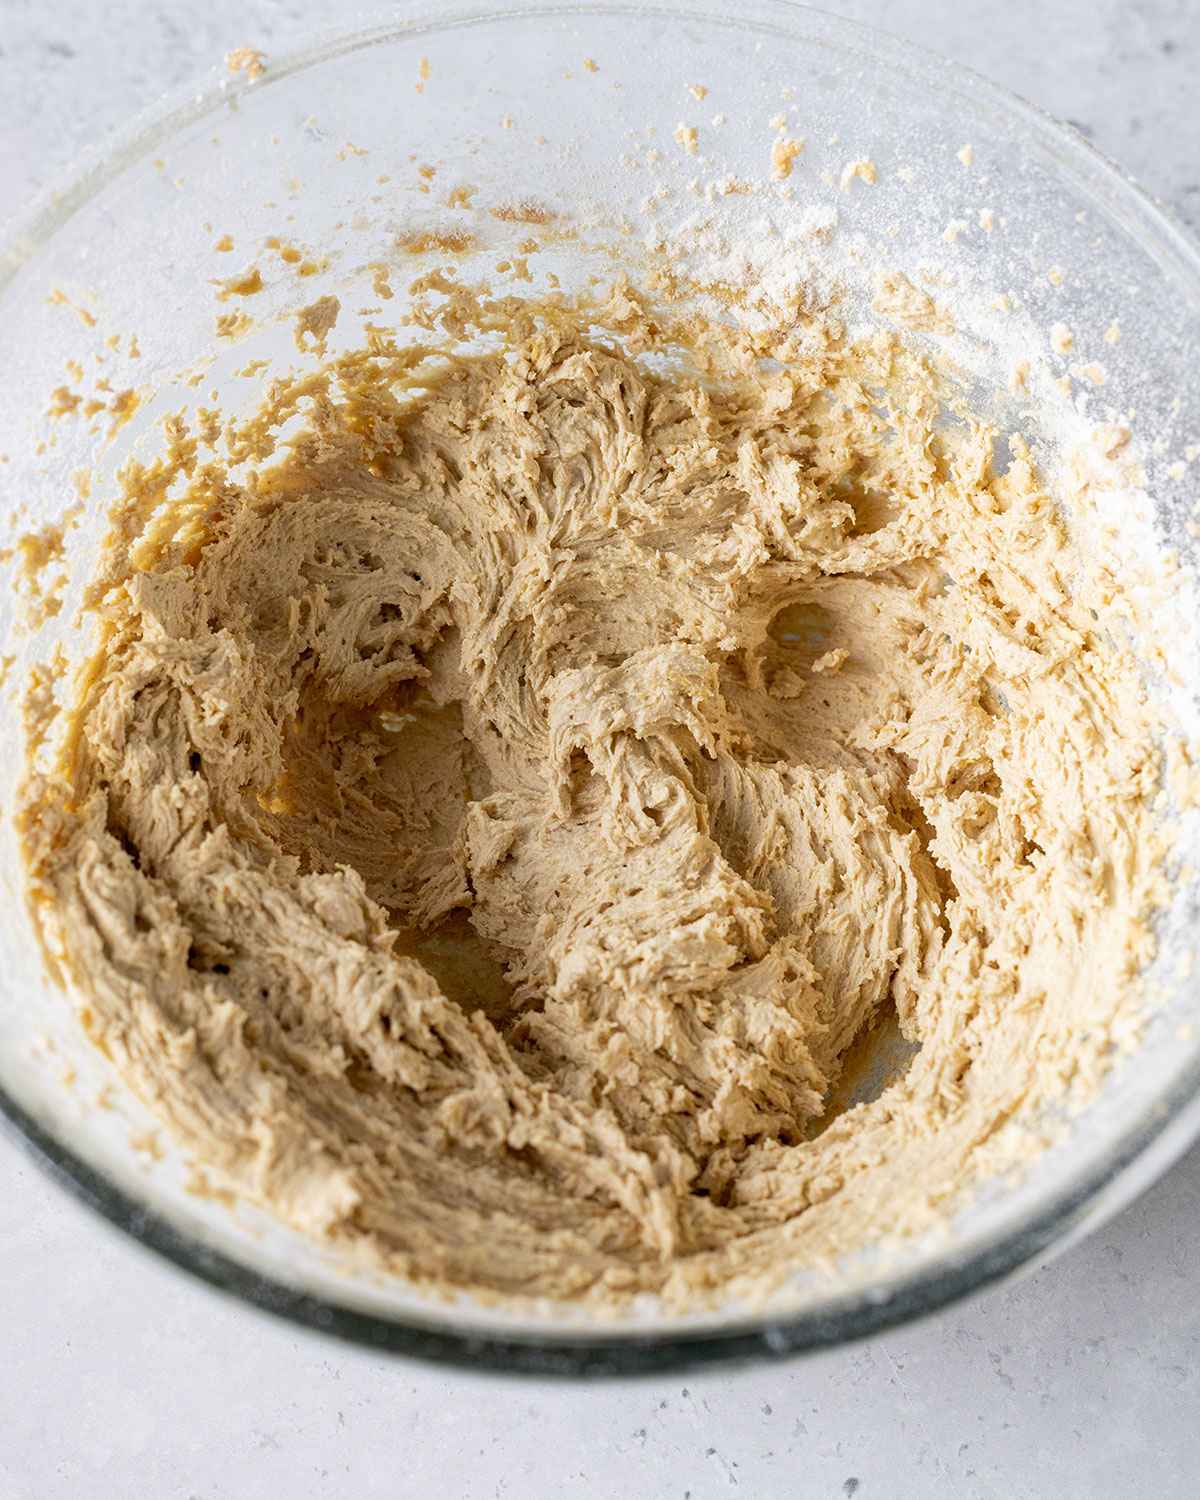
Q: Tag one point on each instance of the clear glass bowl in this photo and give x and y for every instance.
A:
(557, 117)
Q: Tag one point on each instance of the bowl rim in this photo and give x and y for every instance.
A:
(1124, 1169)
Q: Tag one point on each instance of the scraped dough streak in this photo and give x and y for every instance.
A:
(483, 835)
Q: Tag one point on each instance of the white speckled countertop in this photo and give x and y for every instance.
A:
(119, 1376)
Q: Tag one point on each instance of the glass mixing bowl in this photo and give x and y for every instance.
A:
(559, 124)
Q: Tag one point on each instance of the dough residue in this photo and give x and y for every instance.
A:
(490, 821)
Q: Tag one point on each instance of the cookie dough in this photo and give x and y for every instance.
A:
(491, 819)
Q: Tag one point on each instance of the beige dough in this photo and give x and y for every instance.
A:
(485, 830)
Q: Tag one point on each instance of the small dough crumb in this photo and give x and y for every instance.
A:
(248, 61)
(863, 169)
(1093, 373)
(688, 137)
(896, 297)
(314, 323)
(247, 284)
(784, 152)
(1062, 340)
(232, 325)
(831, 661)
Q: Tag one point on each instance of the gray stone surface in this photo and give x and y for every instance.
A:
(118, 1376)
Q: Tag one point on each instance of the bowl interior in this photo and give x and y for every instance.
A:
(547, 141)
